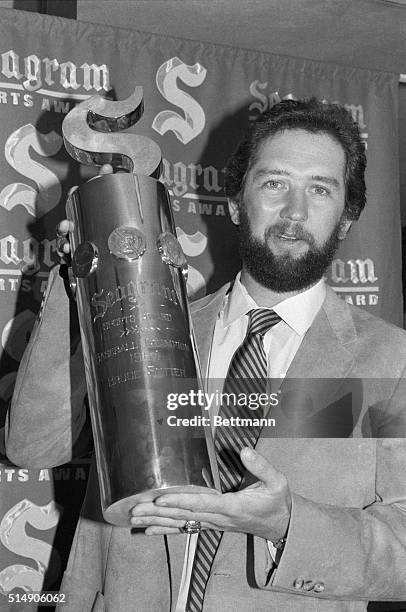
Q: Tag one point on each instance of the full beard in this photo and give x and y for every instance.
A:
(283, 273)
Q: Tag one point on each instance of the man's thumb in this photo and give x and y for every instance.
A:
(260, 467)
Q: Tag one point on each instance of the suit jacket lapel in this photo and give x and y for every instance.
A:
(204, 315)
(327, 350)
(317, 399)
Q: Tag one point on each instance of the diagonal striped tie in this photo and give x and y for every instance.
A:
(247, 374)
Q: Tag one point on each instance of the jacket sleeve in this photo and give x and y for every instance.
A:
(46, 422)
(344, 553)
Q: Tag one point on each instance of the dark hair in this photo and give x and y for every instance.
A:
(313, 116)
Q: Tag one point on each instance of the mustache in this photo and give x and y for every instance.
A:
(293, 230)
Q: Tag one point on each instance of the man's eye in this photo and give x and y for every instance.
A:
(273, 185)
(319, 190)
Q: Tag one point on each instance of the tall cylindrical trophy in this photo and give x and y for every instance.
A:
(130, 275)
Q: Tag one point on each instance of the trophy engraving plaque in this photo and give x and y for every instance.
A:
(130, 273)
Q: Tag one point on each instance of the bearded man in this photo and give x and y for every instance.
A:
(312, 513)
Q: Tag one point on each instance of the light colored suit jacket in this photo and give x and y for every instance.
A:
(348, 524)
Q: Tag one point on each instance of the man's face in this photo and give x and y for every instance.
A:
(291, 209)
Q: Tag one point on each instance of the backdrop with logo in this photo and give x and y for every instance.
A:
(199, 99)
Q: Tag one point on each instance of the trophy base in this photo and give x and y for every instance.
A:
(118, 514)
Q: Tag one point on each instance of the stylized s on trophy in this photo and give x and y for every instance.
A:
(135, 325)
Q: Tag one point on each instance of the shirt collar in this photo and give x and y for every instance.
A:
(298, 311)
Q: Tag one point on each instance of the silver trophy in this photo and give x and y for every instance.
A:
(130, 276)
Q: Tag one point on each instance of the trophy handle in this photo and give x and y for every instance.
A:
(89, 135)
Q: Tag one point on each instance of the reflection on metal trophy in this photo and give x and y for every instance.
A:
(130, 275)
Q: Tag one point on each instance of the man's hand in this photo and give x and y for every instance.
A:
(65, 227)
(262, 509)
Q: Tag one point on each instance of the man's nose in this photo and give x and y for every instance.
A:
(295, 206)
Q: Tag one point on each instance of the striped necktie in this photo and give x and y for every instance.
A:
(247, 374)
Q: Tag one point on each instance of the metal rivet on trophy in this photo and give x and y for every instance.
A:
(171, 251)
(129, 270)
(85, 259)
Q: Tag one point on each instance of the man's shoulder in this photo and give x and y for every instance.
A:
(369, 326)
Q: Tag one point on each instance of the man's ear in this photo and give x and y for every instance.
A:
(234, 211)
(344, 228)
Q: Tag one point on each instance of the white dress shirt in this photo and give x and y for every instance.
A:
(281, 343)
